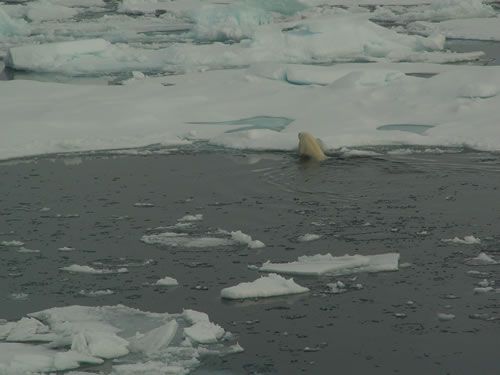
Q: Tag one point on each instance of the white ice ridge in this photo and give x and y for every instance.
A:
(339, 38)
(345, 105)
(266, 286)
(151, 343)
(340, 265)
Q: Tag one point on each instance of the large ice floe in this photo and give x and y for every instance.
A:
(139, 342)
(341, 265)
(265, 286)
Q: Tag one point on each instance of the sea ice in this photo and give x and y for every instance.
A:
(183, 240)
(88, 269)
(188, 218)
(13, 243)
(265, 286)
(167, 281)
(445, 316)
(78, 335)
(243, 238)
(482, 259)
(309, 237)
(12, 27)
(467, 240)
(44, 10)
(340, 265)
(473, 28)
(96, 293)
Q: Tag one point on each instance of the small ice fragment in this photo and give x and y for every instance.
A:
(400, 315)
(482, 259)
(96, 293)
(88, 269)
(309, 237)
(423, 233)
(445, 317)
(337, 287)
(45, 209)
(467, 240)
(25, 250)
(143, 204)
(482, 290)
(12, 243)
(485, 283)
(410, 302)
(167, 281)
(243, 238)
(18, 296)
(266, 286)
(66, 248)
(196, 217)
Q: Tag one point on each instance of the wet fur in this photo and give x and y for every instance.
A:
(310, 147)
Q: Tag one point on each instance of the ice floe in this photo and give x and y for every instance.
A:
(96, 293)
(467, 240)
(340, 265)
(196, 217)
(445, 317)
(13, 243)
(472, 28)
(309, 237)
(174, 239)
(167, 281)
(246, 239)
(482, 259)
(145, 342)
(265, 286)
(87, 269)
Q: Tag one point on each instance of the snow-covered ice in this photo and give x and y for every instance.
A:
(309, 237)
(167, 281)
(246, 239)
(340, 265)
(482, 259)
(265, 286)
(78, 335)
(467, 240)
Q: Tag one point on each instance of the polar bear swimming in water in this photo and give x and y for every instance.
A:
(310, 147)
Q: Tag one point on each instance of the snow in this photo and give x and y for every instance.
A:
(245, 239)
(87, 269)
(309, 237)
(266, 286)
(482, 259)
(340, 265)
(467, 240)
(167, 281)
(472, 28)
(80, 335)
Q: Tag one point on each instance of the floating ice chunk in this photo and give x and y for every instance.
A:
(485, 282)
(96, 293)
(243, 238)
(482, 290)
(196, 217)
(266, 286)
(482, 259)
(27, 329)
(445, 317)
(43, 10)
(156, 340)
(182, 240)
(309, 237)
(467, 240)
(337, 287)
(167, 281)
(342, 265)
(19, 296)
(36, 57)
(143, 204)
(66, 248)
(12, 243)
(88, 269)
(204, 332)
(26, 250)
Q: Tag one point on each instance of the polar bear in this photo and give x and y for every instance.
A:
(310, 147)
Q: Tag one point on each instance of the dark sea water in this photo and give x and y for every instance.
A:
(392, 203)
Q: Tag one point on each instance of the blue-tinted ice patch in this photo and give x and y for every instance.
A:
(257, 122)
(410, 128)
